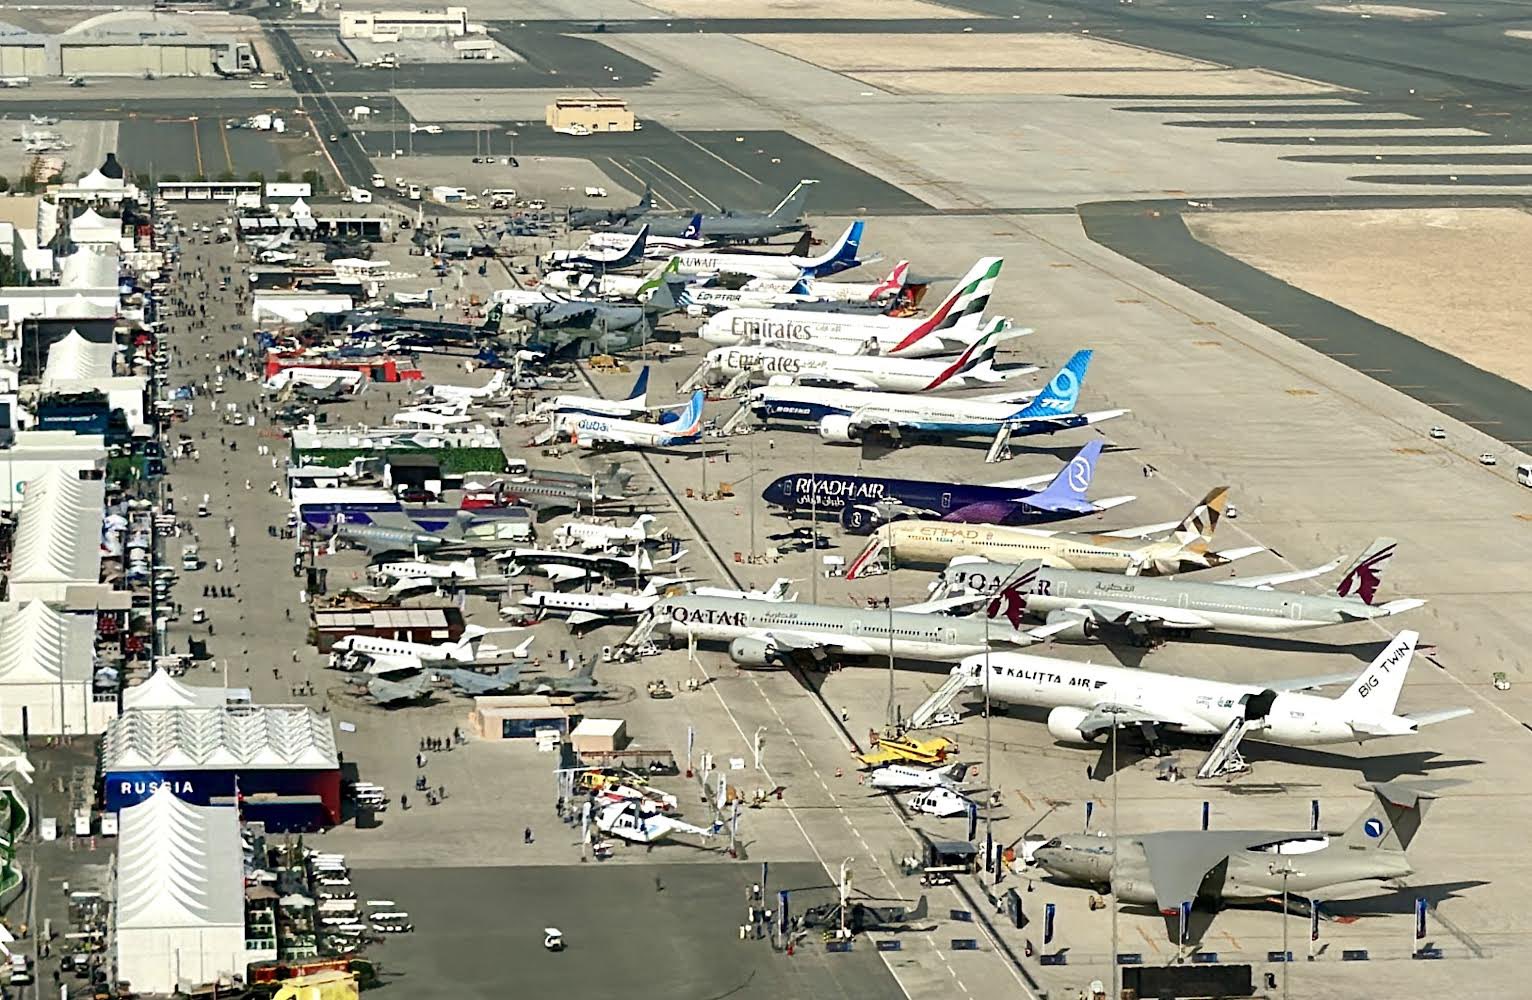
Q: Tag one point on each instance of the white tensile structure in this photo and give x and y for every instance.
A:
(160, 690)
(47, 667)
(58, 539)
(180, 894)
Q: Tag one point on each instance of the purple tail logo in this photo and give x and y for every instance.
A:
(1365, 576)
(1011, 601)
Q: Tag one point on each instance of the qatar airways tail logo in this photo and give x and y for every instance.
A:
(1365, 576)
(1011, 602)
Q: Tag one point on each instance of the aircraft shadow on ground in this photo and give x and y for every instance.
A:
(1129, 655)
(1396, 901)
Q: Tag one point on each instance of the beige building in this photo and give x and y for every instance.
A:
(392, 25)
(582, 115)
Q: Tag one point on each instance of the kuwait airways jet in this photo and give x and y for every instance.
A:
(1096, 602)
(864, 502)
(1149, 550)
(841, 256)
(975, 366)
(846, 415)
(953, 326)
(1087, 700)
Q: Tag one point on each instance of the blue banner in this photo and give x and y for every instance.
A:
(1048, 917)
(1420, 918)
(1186, 921)
(1313, 920)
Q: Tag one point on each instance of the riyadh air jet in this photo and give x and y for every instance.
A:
(586, 431)
(1172, 870)
(864, 502)
(1147, 550)
(1087, 700)
(953, 325)
(974, 367)
(763, 634)
(841, 256)
(1144, 606)
(847, 415)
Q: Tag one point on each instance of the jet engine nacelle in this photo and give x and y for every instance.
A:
(838, 429)
(748, 652)
(861, 519)
(1136, 889)
(1081, 629)
(1064, 724)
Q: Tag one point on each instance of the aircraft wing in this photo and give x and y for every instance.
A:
(1273, 579)
(1105, 715)
(1180, 860)
(1126, 613)
(795, 641)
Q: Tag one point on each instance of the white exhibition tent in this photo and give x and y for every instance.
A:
(91, 227)
(160, 690)
(58, 539)
(47, 665)
(73, 358)
(180, 894)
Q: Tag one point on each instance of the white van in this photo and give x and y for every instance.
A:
(1524, 474)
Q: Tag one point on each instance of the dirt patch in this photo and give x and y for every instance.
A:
(1134, 83)
(1450, 278)
(892, 53)
(870, 9)
(1381, 10)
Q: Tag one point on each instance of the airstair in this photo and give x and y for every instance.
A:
(739, 423)
(735, 386)
(940, 699)
(1225, 757)
(1000, 448)
(697, 378)
(640, 641)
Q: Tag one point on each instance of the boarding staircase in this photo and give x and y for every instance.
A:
(1225, 757)
(940, 699)
(1000, 448)
(640, 641)
(735, 385)
(739, 423)
(697, 378)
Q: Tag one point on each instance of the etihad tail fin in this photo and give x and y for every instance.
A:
(1202, 521)
(1062, 394)
(1362, 577)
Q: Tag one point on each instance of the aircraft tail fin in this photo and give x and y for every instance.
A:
(1200, 523)
(492, 318)
(690, 421)
(800, 287)
(919, 911)
(841, 256)
(640, 387)
(1062, 394)
(969, 297)
(1392, 819)
(790, 208)
(1362, 577)
(980, 352)
(693, 230)
(1375, 692)
(803, 246)
(1068, 488)
(646, 202)
(778, 590)
(893, 283)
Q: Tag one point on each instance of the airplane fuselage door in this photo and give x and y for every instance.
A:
(946, 501)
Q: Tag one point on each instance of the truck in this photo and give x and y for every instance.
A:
(191, 558)
(361, 196)
(378, 181)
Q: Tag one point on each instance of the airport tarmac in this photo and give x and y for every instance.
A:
(1186, 367)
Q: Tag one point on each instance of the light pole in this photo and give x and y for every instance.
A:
(893, 708)
(751, 433)
(1286, 871)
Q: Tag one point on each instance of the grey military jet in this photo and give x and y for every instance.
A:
(729, 226)
(605, 218)
(509, 679)
(1220, 867)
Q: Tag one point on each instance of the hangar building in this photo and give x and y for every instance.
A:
(124, 43)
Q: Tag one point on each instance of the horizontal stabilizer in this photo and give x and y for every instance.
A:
(1440, 715)
(1230, 555)
(1308, 683)
(1275, 579)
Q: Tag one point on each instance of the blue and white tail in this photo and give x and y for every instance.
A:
(693, 230)
(840, 257)
(1067, 490)
(640, 394)
(1062, 393)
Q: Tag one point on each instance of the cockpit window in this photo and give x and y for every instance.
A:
(1055, 842)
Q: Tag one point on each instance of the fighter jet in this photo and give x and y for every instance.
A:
(386, 691)
(510, 679)
(1175, 869)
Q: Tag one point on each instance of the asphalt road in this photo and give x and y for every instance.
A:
(1155, 235)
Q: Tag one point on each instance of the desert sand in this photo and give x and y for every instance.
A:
(1451, 278)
